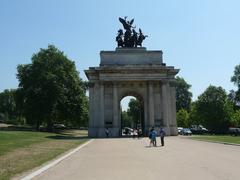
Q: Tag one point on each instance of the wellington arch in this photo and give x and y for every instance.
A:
(131, 71)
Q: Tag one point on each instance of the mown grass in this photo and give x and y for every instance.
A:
(21, 151)
(218, 138)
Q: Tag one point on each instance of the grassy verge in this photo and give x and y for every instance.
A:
(22, 150)
(219, 138)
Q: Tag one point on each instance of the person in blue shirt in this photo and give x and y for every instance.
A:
(153, 137)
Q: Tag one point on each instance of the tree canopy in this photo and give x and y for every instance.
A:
(214, 109)
(183, 95)
(135, 111)
(235, 95)
(52, 89)
(7, 104)
(182, 118)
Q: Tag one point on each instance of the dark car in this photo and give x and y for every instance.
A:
(234, 131)
(59, 126)
(186, 132)
(199, 129)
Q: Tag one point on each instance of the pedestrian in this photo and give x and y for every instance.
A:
(150, 137)
(154, 136)
(107, 132)
(162, 134)
(139, 132)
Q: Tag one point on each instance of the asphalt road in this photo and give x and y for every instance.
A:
(133, 159)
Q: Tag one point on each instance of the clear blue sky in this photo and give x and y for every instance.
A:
(200, 37)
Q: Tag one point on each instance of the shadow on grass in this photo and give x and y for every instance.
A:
(18, 128)
(62, 137)
(69, 134)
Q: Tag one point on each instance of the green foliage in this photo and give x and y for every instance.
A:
(183, 95)
(194, 118)
(183, 118)
(135, 111)
(236, 77)
(126, 119)
(235, 119)
(235, 95)
(9, 107)
(52, 90)
(213, 109)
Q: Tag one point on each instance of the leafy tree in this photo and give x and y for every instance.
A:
(183, 118)
(213, 109)
(52, 90)
(236, 77)
(235, 119)
(235, 95)
(7, 104)
(126, 119)
(183, 95)
(19, 101)
(135, 111)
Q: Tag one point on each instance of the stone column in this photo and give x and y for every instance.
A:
(165, 106)
(115, 110)
(101, 124)
(91, 129)
(150, 104)
(91, 105)
(173, 110)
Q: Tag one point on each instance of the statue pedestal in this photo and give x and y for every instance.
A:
(130, 56)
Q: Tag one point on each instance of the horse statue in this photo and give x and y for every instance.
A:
(130, 38)
(119, 38)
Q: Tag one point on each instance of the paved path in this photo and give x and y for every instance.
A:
(132, 159)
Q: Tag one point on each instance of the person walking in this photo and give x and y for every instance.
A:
(107, 132)
(154, 136)
(162, 134)
(150, 137)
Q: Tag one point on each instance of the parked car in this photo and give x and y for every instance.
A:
(198, 129)
(234, 131)
(59, 126)
(186, 131)
(179, 129)
(126, 131)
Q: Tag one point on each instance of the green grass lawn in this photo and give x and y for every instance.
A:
(218, 138)
(23, 150)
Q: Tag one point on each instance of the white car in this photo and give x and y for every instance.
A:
(126, 131)
(179, 129)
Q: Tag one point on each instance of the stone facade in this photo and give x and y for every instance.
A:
(137, 72)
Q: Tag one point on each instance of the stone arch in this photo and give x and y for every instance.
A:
(131, 71)
(140, 97)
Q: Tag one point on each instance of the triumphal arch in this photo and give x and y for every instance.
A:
(136, 71)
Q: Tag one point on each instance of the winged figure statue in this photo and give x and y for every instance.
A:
(130, 38)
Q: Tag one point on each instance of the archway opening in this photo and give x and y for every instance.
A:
(132, 116)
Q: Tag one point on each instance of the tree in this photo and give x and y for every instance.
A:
(8, 105)
(235, 95)
(236, 77)
(214, 110)
(183, 118)
(183, 95)
(194, 118)
(135, 111)
(52, 90)
(126, 119)
(235, 119)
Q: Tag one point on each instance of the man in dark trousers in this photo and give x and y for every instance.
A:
(107, 132)
(162, 134)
